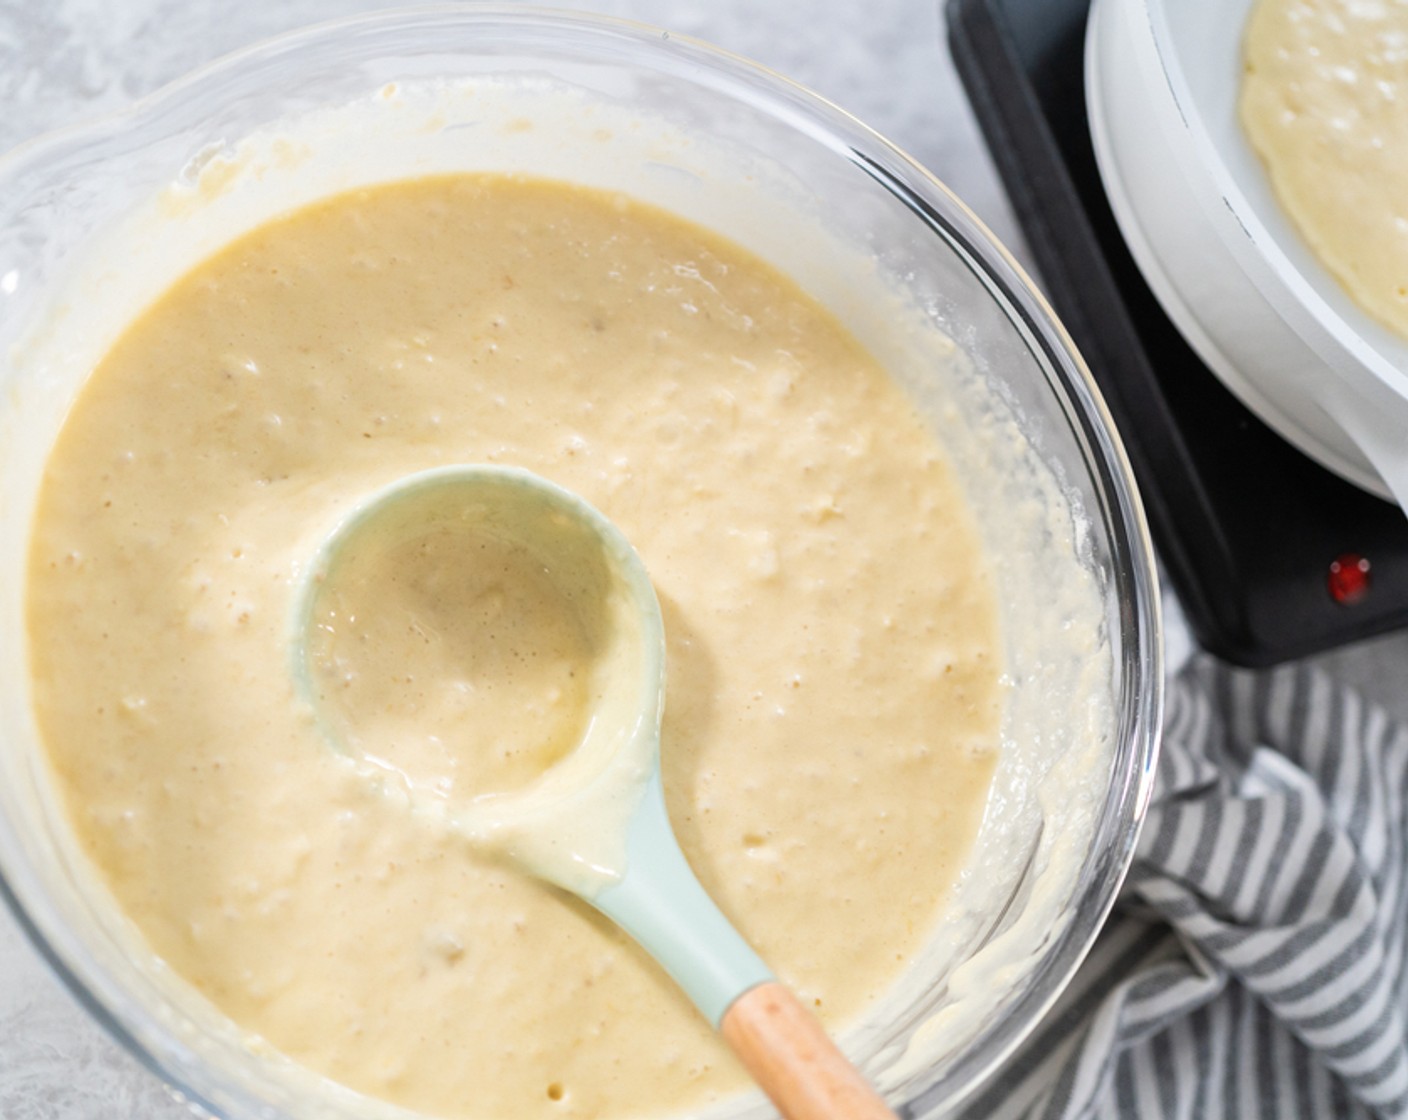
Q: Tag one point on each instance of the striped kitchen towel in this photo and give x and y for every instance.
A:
(1254, 964)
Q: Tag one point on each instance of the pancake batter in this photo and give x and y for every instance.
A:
(1325, 104)
(833, 699)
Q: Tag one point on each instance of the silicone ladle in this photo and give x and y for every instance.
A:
(595, 822)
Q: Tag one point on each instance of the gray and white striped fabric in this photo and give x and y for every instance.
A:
(1254, 965)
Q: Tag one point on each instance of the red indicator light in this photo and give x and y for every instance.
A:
(1348, 580)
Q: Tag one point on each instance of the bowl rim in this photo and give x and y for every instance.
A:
(1137, 709)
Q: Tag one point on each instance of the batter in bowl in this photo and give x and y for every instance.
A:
(1325, 104)
(833, 706)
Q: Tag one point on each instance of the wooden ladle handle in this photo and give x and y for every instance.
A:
(794, 1061)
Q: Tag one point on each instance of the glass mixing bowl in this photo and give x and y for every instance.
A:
(97, 221)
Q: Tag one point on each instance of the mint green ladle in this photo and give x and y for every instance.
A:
(595, 822)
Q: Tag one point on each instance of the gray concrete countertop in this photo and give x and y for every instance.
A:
(70, 60)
